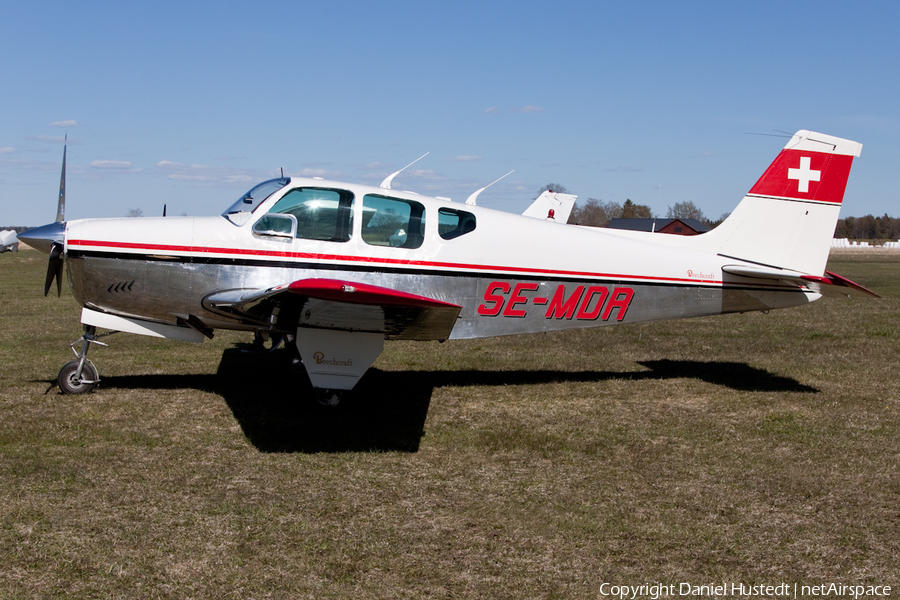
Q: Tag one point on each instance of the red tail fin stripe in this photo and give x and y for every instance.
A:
(806, 175)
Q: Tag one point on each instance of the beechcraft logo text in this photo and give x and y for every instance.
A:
(320, 359)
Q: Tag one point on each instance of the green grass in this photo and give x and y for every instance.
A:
(744, 448)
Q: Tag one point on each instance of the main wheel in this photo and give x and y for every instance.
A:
(330, 398)
(69, 384)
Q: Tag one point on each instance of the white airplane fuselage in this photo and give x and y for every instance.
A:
(340, 267)
(511, 274)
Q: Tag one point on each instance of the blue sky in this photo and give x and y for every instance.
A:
(190, 103)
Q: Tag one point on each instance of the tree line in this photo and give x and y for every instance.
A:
(868, 228)
(598, 213)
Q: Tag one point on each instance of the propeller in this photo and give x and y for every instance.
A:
(54, 269)
(51, 238)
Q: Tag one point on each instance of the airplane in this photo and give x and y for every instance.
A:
(335, 269)
(8, 241)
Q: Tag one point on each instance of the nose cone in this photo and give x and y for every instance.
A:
(42, 238)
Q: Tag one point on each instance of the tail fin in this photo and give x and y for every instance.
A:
(788, 218)
(552, 205)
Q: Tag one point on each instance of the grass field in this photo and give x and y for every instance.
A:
(745, 448)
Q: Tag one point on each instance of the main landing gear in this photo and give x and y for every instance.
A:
(324, 396)
(330, 398)
(264, 342)
(80, 375)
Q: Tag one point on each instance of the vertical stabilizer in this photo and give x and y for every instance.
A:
(788, 218)
(552, 206)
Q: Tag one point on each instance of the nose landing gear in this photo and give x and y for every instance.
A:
(80, 376)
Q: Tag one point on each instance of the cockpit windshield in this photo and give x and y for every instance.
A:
(239, 212)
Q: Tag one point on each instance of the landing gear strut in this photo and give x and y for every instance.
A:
(80, 376)
(264, 342)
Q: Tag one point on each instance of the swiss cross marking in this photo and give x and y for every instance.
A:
(804, 174)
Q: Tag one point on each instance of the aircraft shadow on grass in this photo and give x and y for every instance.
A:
(387, 409)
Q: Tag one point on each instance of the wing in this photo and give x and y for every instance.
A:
(340, 305)
(831, 284)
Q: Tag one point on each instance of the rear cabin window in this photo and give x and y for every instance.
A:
(322, 214)
(453, 223)
(392, 222)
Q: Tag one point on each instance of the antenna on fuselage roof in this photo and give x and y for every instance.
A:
(471, 199)
(386, 184)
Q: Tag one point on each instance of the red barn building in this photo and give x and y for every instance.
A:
(673, 226)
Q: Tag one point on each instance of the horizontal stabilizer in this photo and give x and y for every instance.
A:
(831, 284)
(841, 286)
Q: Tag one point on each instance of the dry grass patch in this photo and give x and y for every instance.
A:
(745, 448)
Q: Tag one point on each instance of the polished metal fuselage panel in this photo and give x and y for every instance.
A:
(159, 290)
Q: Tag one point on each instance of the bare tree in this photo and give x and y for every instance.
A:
(595, 213)
(685, 210)
(630, 210)
(135, 212)
(719, 221)
(557, 188)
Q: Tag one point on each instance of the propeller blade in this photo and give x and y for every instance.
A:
(59, 275)
(54, 269)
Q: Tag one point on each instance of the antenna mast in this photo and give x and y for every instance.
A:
(471, 199)
(386, 184)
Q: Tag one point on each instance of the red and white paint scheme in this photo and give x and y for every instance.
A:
(337, 268)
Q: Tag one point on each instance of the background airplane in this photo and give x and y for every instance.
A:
(335, 268)
(9, 242)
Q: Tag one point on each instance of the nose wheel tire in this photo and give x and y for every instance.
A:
(70, 384)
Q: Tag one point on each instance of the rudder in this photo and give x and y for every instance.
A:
(787, 219)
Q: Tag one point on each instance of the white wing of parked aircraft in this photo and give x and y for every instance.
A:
(9, 242)
(552, 206)
(338, 268)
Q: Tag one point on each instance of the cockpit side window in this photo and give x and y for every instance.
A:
(453, 223)
(392, 222)
(322, 214)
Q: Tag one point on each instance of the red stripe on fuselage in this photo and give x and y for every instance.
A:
(511, 271)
